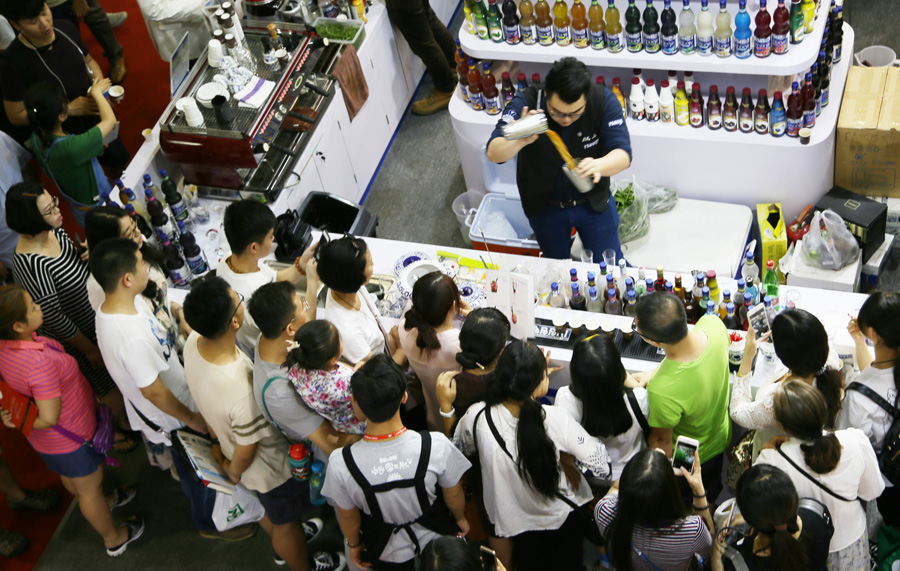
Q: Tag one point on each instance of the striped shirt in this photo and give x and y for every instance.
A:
(224, 396)
(58, 285)
(665, 549)
(42, 370)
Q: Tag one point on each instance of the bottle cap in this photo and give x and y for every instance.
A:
(593, 291)
(591, 276)
(749, 256)
(767, 301)
(704, 3)
(535, 78)
(748, 298)
(726, 293)
(602, 266)
(486, 66)
(147, 178)
(741, 283)
(631, 294)
(777, 95)
(729, 90)
(617, 81)
(808, 76)
(629, 283)
(636, 71)
(505, 75)
(680, 85)
(298, 451)
(163, 173)
(705, 290)
(600, 80)
(650, 83)
(554, 286)
(119, 182)
(746, 91)
(713, 89)
(770, 265)
(763, 94)
(795, 86)
(317, 466)
(729, 307)
(521, 76)
(649, 282)
(129, 208)
(762, 3)
(635, 81)
(575, 287)
(710, 305)
(664, 84)
(611, 293)
(669, 285)
(711, 275)
(695, 87)
(573, 272)
(609, 278)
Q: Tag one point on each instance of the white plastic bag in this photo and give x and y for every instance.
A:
(829, 244)
(634, 215)
(239, 508)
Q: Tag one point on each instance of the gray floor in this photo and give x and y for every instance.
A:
(411, 195)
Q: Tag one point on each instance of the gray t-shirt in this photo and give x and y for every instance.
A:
(395, 460)
(283, 407)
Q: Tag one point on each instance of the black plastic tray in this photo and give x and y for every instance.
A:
(636, 348)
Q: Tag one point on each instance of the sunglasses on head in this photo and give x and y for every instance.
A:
(325, 238)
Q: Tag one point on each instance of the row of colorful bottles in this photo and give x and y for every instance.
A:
(479, 88)
(583, 27)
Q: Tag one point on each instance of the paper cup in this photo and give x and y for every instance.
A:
(805, 135)
(117, 93)
(192, 113)
(592, 325)
(627, 332)
(148, 134)
(609, 329)
(577, 326)
(214, 53)
(560, 323)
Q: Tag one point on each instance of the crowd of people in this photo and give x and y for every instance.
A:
(89, 334)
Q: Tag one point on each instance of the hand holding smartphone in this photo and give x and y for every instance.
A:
(683, 456)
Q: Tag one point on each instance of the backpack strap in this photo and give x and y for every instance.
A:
(266, 408)
(874, 397)
(735, 557)
(362, 482)
(638, 413)
(825, 488)
(421, 469)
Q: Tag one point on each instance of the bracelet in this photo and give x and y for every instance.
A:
(301, 271)
(700, 496)
(700, 509)
(350, 545)
(448, 414)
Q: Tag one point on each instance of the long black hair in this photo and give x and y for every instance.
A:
(649, 497)
(520, 370)
(769, 502)
(433, 296)
(802, 411)
(881, 312)
(482, 337)
(44, 103)
(598, 380)
(801, 343)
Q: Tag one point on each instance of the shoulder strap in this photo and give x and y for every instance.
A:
(874, 397)
(736, 559)
(153, 426)
(266, 408)
(364, 484)
(421, 469)
(638, 413)
(825, 488)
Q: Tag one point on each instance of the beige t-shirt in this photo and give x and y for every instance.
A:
(224, 395)
(429, 364)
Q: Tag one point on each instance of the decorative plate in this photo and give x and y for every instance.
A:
(411, 274)
(472, 293)
(409, 258)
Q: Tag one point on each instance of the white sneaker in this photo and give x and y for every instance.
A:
(312, 528)
(116, 19)
(325, 561)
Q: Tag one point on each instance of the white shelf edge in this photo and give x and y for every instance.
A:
(799, 57)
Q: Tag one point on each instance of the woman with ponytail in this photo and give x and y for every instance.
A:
(801, 344)
(835, 468)
(429, 338)
(878, 321)
(519, 441)
(783, 533)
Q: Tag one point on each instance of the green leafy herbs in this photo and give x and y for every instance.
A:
(334, 31)
(625, 197)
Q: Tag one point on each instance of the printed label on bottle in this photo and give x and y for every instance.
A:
(778, 126)
(705, 44)
(496, 34)
(818, 106)
(688, 44)
(614, 42)
(512, 35)
(476, 101)
(762, 124)
(682, 115)
(181, 276)
(637, 110)
(670, 45)
(465, 92)
(635, 42)
(529, 34)
(665, 113)
(696, 115)
(715, 119)
(837, 54)
(742, 47)
(781, 43)
(179, 210)
(825, 96)
(545, 35)
(746, 124)
(730, 122)
(492, 105)
(651, 43)
(197, 264)
(793, 126)
(651, 111)
(598, 40)
(809, 118)
(581, 38)
(330, 10)
(563, 35)
(723, 47)
(797, 35)
(762, 47)
(481, 30)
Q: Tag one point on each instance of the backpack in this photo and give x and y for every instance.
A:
(889, 457)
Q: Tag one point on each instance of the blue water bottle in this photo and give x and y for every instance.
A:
(316, 480)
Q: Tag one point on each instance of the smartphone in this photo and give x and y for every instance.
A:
(684, 454)
(488, 558)
(759, 321)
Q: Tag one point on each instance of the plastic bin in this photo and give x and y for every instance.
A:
(326, 211)
(463, 205)
(357, 25)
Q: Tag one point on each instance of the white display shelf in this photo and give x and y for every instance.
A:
(799, 58)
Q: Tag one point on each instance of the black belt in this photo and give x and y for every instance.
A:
(568, 203)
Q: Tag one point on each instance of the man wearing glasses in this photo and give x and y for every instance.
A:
(588, 118)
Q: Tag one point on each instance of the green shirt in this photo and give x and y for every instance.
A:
(70, 163)
(692, 398)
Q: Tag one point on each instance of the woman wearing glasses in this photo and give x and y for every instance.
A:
(588, 118)
(50, 268)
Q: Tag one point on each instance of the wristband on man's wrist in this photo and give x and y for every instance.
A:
(700, 509)
(351, 545)
(703, 495)
(448, 414)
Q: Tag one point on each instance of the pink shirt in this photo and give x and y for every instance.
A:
(42, 370)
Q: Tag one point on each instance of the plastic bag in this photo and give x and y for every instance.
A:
(829, 244)
(659, 198)
(236, 509)
(496, 225)
(634, 216)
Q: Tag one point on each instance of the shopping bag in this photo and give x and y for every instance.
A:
(829, 244)
(239, 508)
(888, 549)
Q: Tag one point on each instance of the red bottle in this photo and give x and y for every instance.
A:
(695, 108)
(745, 116)
(714, 109)
(761, 113)
(536, 78)
(489, 92)
(781, 31)
(475, 97)
(507, 88)
(730, 110)
(762, 36)
(601, 81)
(794, 111)
(808, 98)
(462, 70)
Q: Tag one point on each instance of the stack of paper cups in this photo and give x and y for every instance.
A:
(214, 53)
(192, 113)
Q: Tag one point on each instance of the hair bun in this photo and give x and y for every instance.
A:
(467, 360)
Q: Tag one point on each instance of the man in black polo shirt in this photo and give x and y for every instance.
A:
(45, 50)
(588, 118)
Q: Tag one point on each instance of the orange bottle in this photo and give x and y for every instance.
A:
(580, 35)
(561, 23)
(544, 23)
(475, 98)
(597, 26)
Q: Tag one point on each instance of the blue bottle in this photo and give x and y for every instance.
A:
(778, 117)
(743, 46)
(316, 481)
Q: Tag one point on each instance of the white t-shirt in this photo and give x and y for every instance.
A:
(97, 296)
(429, 364)
(856, 475)
(859, 411)
(136, 351)
(13, 157)
(224, 394)
(511, 504)
(360, 331)
(623, 447)
(246, 285)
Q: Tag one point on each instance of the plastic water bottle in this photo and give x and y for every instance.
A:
(749, 268)
(316, 481)
(298, 458)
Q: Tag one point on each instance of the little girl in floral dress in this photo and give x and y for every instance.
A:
(321, 380)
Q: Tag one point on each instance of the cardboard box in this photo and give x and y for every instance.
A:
(867, 147)
(864, 217)
(772, 234)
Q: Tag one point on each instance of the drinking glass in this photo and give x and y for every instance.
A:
(587, 256)
(609, 256)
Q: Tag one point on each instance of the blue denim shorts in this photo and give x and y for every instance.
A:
(77, 464)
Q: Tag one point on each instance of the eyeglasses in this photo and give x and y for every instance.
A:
(556, 114)
(53, 208)
(638, 331)
(236, 307)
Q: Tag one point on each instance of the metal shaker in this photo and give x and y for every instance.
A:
(525, 127)
(582, 184)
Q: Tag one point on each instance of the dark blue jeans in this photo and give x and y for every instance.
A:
(598, 230)
(202, 498)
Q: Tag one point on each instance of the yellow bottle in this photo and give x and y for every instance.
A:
(361, 10)
(561, 23)
(617, 91)
(682, 106)
(809, 15)
(614, 41)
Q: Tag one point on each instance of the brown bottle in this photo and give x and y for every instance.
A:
(730, 110)
(714, 109)
(761, 113)
(745, 116)
(689, 308)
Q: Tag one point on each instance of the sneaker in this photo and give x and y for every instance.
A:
(326, 561)
(116, 19)
(135, 527)
(11, 543)
(278, 560)
(434, 102)
(312, 528)
(123, 496)
(40, 500)
(238, 533)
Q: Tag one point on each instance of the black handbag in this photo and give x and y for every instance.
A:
(292, 236)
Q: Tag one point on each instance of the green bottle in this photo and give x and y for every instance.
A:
(481, 27)
(798, 23)
(634, 38)
(770, 282)
(493, 22)
(651, 28)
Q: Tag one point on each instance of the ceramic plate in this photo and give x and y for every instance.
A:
(409, 258)
(411, 274)
(472, 293)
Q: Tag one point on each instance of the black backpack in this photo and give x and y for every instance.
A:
(889, 457)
